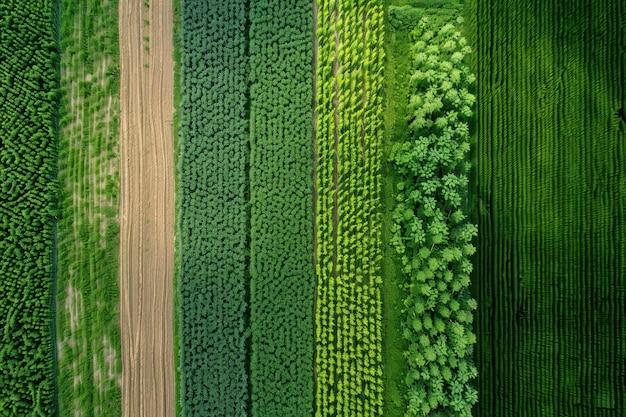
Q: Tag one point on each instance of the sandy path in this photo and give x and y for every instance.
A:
(146, 208)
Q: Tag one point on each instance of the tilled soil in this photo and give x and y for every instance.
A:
(146, 208)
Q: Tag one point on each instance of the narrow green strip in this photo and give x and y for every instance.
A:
(28, 165)
(88, 328)
(281, 232)
(212, 219)
(348, 212)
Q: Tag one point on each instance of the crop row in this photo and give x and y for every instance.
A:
(88, 326)
(432, 235)
(281, 224)
(348, 354)
(212, 229)
(550, 271)
(28, 58)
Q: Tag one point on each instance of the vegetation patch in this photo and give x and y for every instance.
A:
(349, 131)
(212, 229)
(28, 164)
(88, 328)
(431, 234)
(281, 213)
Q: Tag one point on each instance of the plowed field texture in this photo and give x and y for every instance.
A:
(313, 208)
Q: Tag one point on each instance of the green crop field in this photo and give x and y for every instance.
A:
(550, 273)
(213, 220)
(88, 328)
(388, 208)
(281, 214)
(348, 326)
(28, 153)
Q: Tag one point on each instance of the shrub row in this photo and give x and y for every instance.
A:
(212, 215)
(432, 235)
(28, 81)
(281, 225)
(348, 355)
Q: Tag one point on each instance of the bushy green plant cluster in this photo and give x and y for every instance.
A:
(432, 234)
(349, 132)
(212, 229)
(281, 225)
(28, 82)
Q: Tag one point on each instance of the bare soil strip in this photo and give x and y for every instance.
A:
(147, 208)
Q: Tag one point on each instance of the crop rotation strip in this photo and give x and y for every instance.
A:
(212, 223)
(281, 246)
(348, 355)
(28, 152)
(551, 171)
(431, 233)
(88, 332)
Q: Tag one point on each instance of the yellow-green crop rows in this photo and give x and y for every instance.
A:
(348, 315)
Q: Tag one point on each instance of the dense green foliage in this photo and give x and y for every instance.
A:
(212, 221)
(88, 328)
(550, 276)
(281, 225)
(432, 234)
(28, 81)
(348, 325)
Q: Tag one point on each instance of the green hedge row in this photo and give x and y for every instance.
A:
(28, 153)
(281, 208)
(432, 235)
(212, 229)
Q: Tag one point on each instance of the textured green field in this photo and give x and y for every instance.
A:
(348, 342)
(282, 275)
(28, 153)
(212, 224)
(88, 329)
(550, 276)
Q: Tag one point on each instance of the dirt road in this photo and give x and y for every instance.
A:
(146, 208)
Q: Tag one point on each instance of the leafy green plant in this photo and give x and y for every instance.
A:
(432, 235)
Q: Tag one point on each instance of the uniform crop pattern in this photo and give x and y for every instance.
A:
(550, 271)
(28, 85)
(212, 222)
(348, 356)
(281, 224)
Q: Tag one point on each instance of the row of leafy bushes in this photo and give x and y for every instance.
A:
(28, 82)
(212, 235)
(281, 208)
(348, 327)
(432, 235)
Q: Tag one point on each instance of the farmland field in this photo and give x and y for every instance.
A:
(550, 265)
(88, 326)
(281, 214)
(312, 208)
(212, 225)
(28, 152)
(348, 332)
(147, 207)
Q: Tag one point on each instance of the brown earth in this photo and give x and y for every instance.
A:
(146, 208)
